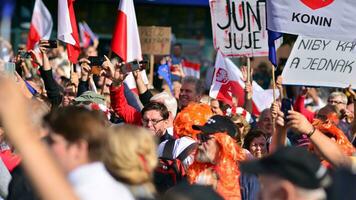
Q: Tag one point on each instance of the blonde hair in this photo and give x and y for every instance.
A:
(131, 154)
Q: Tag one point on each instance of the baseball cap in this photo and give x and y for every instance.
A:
(90, 96)
(295, 164)
(217, 123)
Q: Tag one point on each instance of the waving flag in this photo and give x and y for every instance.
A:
(191, 69)
(86, 34)
(41, 25)
(67, 28)
(165, 72)
(125, 40)
(272, 55)
(227, 82)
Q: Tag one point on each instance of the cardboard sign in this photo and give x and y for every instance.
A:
(319, 62)
(239, 27)
(155, 40)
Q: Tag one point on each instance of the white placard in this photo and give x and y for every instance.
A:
(319, 62)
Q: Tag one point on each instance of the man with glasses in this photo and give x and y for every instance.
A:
(338, 99)
(155, 118)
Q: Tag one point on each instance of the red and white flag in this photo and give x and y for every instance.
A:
(191, 69)
(67, 29)
(126, 40)
(41, 25)
(227, 81)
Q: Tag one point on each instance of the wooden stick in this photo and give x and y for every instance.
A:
(273, 84)
(103, 86)
(248, 69)
(152, 60)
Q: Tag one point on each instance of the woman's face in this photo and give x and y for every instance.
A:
(258, 147)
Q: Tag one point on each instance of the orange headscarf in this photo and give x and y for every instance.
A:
(226, 168)
(193, 114)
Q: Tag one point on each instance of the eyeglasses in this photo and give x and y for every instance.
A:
(332, 102)
(153, 121)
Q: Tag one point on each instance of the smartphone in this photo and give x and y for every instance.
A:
(24, 54)
(96, 60)
(286, 106)
(134, 65)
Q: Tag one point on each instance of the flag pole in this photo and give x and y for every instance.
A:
(248, 69)
(273, 84)
(249, 78)
(152, 60)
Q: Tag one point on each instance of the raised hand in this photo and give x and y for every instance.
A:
(299, 122)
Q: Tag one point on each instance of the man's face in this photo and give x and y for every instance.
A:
(337, 101)
(177, 51)
(208, 150)
(214, 105)
(153, 120)
(64, 152)
(187, 94)
(265, 123)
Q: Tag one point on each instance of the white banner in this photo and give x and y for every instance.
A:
(319, 62)
(329, 19)
(239, 27)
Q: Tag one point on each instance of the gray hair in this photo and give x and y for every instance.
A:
(199, 85)
(168, 100)
(338, 94)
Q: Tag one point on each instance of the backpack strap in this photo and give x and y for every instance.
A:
(185, 153)
(168, 149)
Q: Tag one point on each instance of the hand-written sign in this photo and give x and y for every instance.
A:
(239, 27)
(155, 40)
(320, 62)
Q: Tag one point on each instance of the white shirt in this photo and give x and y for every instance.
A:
(93, 182)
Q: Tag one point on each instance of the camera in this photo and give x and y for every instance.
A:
(133, 66)
(24, 54)
(96, 60)
(51, 44)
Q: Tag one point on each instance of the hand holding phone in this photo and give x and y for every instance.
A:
(287, 105)
(49, 44)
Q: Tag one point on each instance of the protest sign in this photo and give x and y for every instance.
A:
(155, 40)
(319, 62)
(239, 27)
(328, 19)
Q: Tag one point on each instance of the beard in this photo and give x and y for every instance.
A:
(202, 155)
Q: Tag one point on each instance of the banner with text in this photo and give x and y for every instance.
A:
(239, 27)
(319, 62)
(155, 40)
(329, 19)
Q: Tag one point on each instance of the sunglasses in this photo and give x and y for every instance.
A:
(204, 137)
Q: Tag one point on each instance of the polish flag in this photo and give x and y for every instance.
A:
(126, 40)
(41, 25)
(191, 69)
(67, 29)
(227, 82)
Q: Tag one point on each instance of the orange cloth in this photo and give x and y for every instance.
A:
(193, 114)
(226, 172)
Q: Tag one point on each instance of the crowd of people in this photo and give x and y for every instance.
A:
(71, 132)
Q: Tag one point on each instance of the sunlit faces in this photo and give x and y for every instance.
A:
(208, 150)
(258, 147)
(69, 96)
(187, 94)
(215, 107)
(153, 120)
